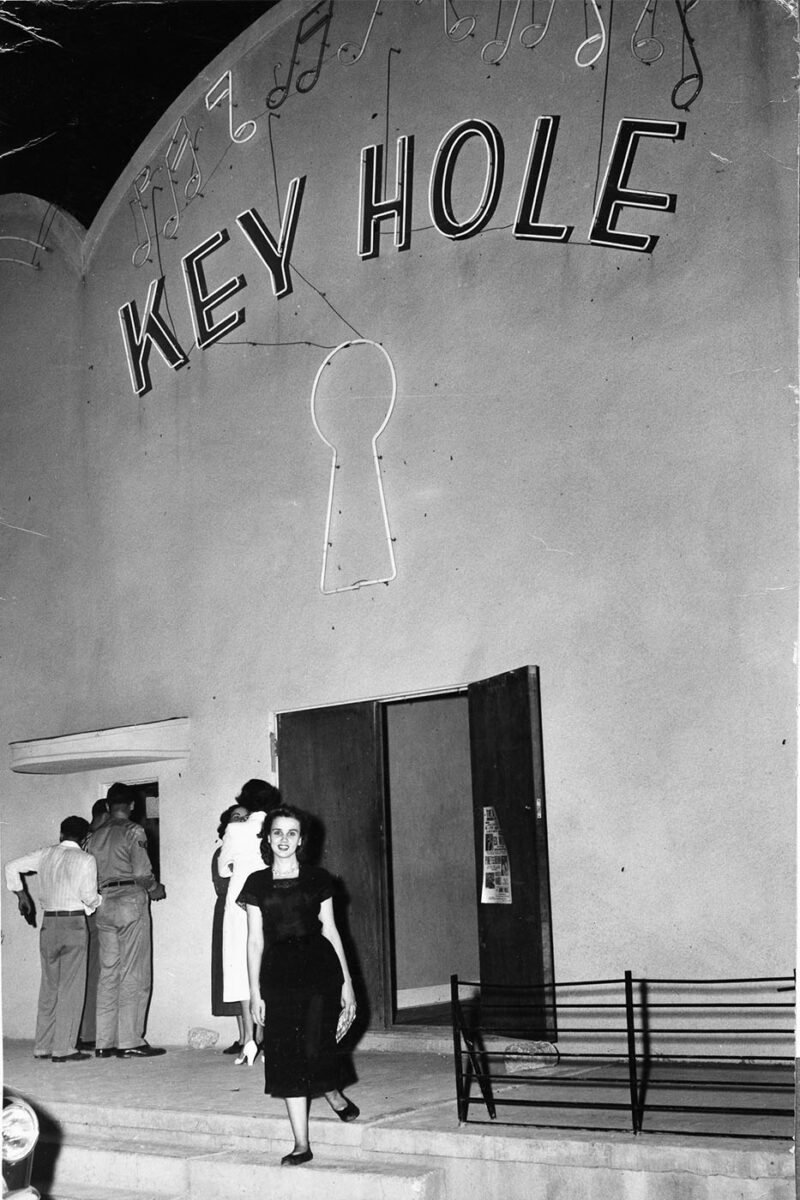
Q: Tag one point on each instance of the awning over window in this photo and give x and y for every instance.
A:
(156, 741)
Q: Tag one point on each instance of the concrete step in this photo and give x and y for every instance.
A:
(121, 1164)
(81, 1191)
(230, 1176)
(199, 1132)
(96, 1159)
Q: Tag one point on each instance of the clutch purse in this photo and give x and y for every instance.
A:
(343, 1024)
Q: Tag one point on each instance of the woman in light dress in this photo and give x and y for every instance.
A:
(239, 856)
(218, 1006)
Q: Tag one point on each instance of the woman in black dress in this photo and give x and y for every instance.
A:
(300, 986)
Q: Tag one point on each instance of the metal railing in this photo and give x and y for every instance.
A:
(712, 1057)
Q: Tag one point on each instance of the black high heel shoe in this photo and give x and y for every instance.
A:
(349, 1112)
(296, 1158)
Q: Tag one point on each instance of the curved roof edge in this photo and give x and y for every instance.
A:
(281, 13)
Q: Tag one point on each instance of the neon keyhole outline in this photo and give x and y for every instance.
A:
(350, 587)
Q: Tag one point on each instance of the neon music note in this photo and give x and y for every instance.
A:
(318, 17)
(140, 185)
(493, 58)
(172, 158)
(592, 40)
(11, 237)
(345, 53)
(237, 135)
(537, 28)
(461, 28)
(691, 77)
(647, 48)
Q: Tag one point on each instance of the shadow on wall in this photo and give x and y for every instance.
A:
(315, 843)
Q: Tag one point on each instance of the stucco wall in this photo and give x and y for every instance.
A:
(590, 466)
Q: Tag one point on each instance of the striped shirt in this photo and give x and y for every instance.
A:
(67, 877)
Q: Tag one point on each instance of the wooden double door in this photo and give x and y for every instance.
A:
(333, 763)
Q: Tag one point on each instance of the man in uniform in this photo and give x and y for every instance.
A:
(86, 1039)
(68, 892)
(127, 885)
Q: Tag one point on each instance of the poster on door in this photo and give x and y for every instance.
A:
(496, 887)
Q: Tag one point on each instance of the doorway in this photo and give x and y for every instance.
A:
(414, 796)
(434, 916)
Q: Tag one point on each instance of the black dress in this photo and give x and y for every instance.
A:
(301, 983)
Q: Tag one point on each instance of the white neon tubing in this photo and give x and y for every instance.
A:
(326, 363)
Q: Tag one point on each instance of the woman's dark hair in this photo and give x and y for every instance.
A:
(294, 814)
(258, 796)
(224, 818)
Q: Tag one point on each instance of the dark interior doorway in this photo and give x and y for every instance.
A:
(432, 897)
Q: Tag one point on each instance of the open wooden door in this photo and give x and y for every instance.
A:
(331, 763)
(510, 821)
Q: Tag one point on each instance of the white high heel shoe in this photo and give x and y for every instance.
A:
(248, 1055)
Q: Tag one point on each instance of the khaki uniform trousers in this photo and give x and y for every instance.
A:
(122, 923)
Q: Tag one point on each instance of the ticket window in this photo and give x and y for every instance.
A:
(145, 813)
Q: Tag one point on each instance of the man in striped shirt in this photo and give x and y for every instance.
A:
(67, 891)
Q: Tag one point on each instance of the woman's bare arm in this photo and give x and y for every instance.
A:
(255, 952)
(331, 932)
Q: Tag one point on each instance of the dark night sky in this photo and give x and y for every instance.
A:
(117, 66)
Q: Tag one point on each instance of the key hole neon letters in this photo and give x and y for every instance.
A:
(151, 329)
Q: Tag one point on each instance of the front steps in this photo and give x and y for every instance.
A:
(190, 1126)
(161, 1171)
(183, 1155)
(119, 1162)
